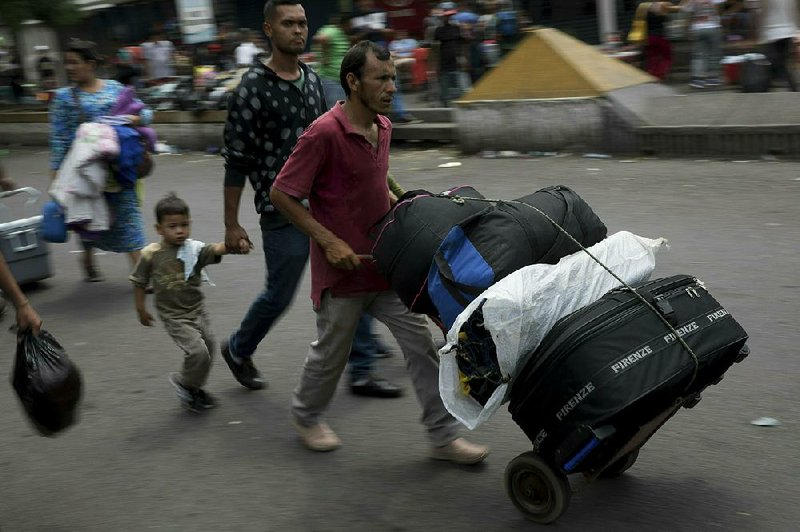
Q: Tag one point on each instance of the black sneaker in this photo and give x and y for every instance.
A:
(373, 386)
(204, 400)
(186, 396)
(244, 372)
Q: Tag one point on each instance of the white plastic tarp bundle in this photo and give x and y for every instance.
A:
(520, 310)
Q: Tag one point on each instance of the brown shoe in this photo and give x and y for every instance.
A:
(319, 437)
(460, 451)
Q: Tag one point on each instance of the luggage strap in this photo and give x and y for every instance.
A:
(643, 299)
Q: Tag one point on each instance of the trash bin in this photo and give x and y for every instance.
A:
(732, 67)
(755, 73)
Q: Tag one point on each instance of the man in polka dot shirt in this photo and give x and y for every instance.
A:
(277, 98)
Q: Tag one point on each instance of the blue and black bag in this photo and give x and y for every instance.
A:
(503, 238)
(407, 238)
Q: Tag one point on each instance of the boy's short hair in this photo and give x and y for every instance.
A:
(169, 205)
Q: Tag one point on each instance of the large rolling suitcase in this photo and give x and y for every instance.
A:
(607, 376)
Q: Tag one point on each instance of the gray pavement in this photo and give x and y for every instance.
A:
(137, 462)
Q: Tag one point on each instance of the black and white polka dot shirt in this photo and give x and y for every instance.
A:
(266, 116)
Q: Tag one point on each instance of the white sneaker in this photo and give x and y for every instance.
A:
(319, 437)
(460, 451)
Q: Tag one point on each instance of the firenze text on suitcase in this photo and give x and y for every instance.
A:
(637, 355)
(575, 401)
(682, 331)
(718, 315)
(539, 439)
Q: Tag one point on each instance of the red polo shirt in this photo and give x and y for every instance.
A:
(344, 179)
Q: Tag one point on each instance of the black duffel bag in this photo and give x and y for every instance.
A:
(500, 240)
(409, 235)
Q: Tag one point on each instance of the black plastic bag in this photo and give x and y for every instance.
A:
(47, 382)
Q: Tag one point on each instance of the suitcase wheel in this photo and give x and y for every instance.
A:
(536, 489)
(692, 401)
(620, 466)
(743, 353)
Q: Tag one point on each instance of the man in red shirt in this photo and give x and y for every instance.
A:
(340, 165)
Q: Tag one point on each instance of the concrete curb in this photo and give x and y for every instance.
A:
(199, 131)
(530, 125)
(720, 140)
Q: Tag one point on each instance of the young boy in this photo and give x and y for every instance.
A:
(174, 266)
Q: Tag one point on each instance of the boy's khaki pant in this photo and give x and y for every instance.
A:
(194, 337)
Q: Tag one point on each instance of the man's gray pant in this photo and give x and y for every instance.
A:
(337, 319)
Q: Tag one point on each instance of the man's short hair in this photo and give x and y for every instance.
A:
(355, 59)
(271, 7)
(169, 205)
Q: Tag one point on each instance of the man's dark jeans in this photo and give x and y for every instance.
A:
(286, 255)
(449, 86)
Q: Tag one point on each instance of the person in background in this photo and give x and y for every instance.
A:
(127, 71)
(46, 68)
(88, 99)
(737, 20)
(657, 50)
(329, 44)
(451, 50)
(402, 48)
(432, 74)
(705, 29)
(229, 39)
(340, 165)
(778, 23)
(158, 53)
(372, 24)
(183, 61)
(247, 51)
(507, 26)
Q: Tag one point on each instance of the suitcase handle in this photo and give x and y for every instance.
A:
(32, 192)
(28, 190)
(660, 304)
(15, 237)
